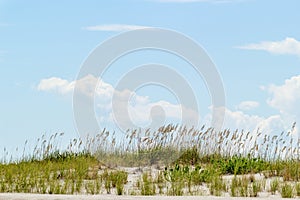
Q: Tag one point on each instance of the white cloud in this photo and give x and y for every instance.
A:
(62, 86)
(287, 46)
(114, 27)
(55, 84)
(240, 120)
(286, 97)
(247, 105)
(140, 108)
(272, 125)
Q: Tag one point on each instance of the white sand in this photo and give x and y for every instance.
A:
(20, 196)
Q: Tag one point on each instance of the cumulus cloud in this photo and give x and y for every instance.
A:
(247, 105)
(272, 125)
(85, 85)
(238, 120)
(286, 97)
(55, 84)
(114, 27)
(141, 111)
(125, 106)
(287, 46)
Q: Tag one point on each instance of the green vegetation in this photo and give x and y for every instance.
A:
(287, 191)
(186, 161)
(147, 185)
(245, 187)
(114, 179)
(274, 186)
(50, 171)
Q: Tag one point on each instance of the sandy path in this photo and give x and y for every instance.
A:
(18, 196)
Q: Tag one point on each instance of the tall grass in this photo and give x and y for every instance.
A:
(191, 158)
(188, 145)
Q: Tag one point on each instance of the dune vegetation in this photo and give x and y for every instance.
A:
(173, 160)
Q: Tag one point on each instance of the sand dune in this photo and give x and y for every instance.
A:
(20, 196)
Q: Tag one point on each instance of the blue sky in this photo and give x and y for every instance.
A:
(254, 44)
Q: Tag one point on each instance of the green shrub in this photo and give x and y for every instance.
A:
(239, 165)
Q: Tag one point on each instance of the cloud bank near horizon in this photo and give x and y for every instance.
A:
(140, 107)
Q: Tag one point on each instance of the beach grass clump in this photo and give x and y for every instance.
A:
(147, 185)
(160, 182)
(274, 185)
(114, 179)
(287, 191)
(245, 186)
(217, 186)
(239, 187)
(256, 187)
(297, 187)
